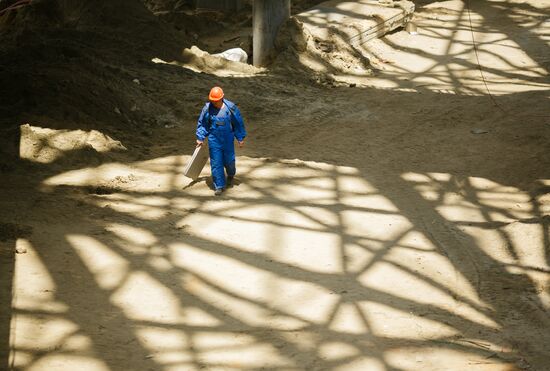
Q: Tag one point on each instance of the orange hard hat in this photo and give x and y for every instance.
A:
(216, 94)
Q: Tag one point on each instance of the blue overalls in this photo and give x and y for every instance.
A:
(221, 126)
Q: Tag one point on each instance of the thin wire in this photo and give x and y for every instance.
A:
(477, 58)
(481, 70)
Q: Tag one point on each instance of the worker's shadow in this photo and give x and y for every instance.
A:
(210, 184)
(206, 179)
(234, 183)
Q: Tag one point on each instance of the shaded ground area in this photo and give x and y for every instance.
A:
(388, 215)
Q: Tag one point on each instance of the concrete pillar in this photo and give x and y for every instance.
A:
(269, 15)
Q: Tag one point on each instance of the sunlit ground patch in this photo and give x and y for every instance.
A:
(299, 265)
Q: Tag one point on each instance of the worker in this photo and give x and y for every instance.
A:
(221, 121)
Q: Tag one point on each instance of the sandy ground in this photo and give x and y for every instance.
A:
(392, 218)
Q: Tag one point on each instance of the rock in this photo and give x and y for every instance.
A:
(117, 111)
(137, 81)
(479, 131)
(21, 250)
(325, 47)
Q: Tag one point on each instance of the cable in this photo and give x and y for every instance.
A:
(481, 70)
(477, 58)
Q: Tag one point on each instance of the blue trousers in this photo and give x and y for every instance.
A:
(222, 157)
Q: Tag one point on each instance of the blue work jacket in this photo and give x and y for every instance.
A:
(222, 125)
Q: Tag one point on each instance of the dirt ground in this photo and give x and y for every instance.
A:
(391, 209)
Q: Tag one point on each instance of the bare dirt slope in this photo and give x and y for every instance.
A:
(387, 215)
